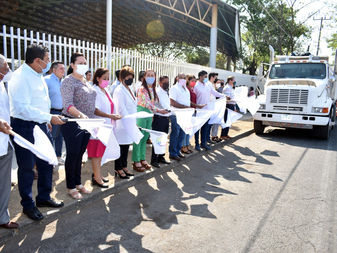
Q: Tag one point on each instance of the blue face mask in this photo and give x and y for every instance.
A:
(46, 69)
(205, 80)
(149, 80)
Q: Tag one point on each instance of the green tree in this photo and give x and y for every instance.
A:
(169, 50)
(332, 42)
(198, 55)
(268, 22)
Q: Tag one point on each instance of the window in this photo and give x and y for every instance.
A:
(298, 70)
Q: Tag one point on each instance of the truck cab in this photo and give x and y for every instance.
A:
(300, 92)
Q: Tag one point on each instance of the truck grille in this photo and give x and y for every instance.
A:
(289, 96)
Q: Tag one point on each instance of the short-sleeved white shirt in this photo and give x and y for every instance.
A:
(102, 102)
(180, 94)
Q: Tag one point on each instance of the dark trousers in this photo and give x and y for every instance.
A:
(224, 131)
(204, 132)
(122, 161)
(76, 141)
(26, 161)
(177, 137)
(208, 133)
(57, 135)
(161, 124)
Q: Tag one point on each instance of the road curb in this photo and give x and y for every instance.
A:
(119, 185)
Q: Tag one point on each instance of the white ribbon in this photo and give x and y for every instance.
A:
(42, 146)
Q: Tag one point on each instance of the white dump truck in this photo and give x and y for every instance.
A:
(299, 92)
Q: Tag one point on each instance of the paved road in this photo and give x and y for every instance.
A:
(275, 193)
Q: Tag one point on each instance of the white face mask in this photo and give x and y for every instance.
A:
(182, 82)
(7, 77)
(82, 69)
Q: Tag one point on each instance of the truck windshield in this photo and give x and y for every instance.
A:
(298, 70)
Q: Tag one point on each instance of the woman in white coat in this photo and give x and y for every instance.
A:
(104, 108)
(125, 104)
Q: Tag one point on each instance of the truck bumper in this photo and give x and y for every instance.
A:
(291, 120)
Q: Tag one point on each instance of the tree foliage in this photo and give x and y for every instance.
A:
(182, 51)
(168, 50)
(332, 41)
(267, 22)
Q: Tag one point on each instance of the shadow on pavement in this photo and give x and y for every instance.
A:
(112, 223)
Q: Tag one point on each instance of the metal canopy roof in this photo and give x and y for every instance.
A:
(134, 21)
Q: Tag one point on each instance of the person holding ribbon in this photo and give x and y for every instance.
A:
(146, 97)
(231, 104)
(161, 122)
(78, 98)
(125, 104)
(30, 107)
(104, 109)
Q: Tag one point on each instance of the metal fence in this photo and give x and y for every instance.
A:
(15, 41)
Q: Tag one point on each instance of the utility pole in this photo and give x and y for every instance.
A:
(320, 31)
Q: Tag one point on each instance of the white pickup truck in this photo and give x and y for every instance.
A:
(299, 92)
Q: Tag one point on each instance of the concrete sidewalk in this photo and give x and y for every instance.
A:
(240, 129)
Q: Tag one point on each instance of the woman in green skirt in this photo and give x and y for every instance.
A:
(146, 98)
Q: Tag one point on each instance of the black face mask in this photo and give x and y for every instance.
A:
(128, 82)
(216, 79)
(166, 86)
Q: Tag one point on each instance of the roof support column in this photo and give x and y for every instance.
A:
(108, 34)
(213, 39)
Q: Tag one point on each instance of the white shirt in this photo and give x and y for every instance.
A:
(203, 92)
(137, 86)
(229, 92)
(102, 102)
(180, 94)
(29, 98)
(164, 101)
(212, 98)
(4, 115)
(124, 104)
(113, 87)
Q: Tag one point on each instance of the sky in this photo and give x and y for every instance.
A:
(329, 26)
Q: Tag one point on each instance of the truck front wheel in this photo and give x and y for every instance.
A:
(258, 127)
(323, 132)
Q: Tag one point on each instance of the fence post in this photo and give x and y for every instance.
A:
(24, 41)
(12, 46)
(18, 32)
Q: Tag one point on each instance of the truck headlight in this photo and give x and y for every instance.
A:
(262, 107)
(320, 109)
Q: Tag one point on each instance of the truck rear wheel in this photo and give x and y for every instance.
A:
(258, 127)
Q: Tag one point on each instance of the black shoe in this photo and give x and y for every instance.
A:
(155, 164)
(103, 179)
(128, 174)
(206, 147)
(49, 203)
(177, 158)
(163, 161)
(120, 176)
(33, 213)
(94, 182)
(181, 156)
